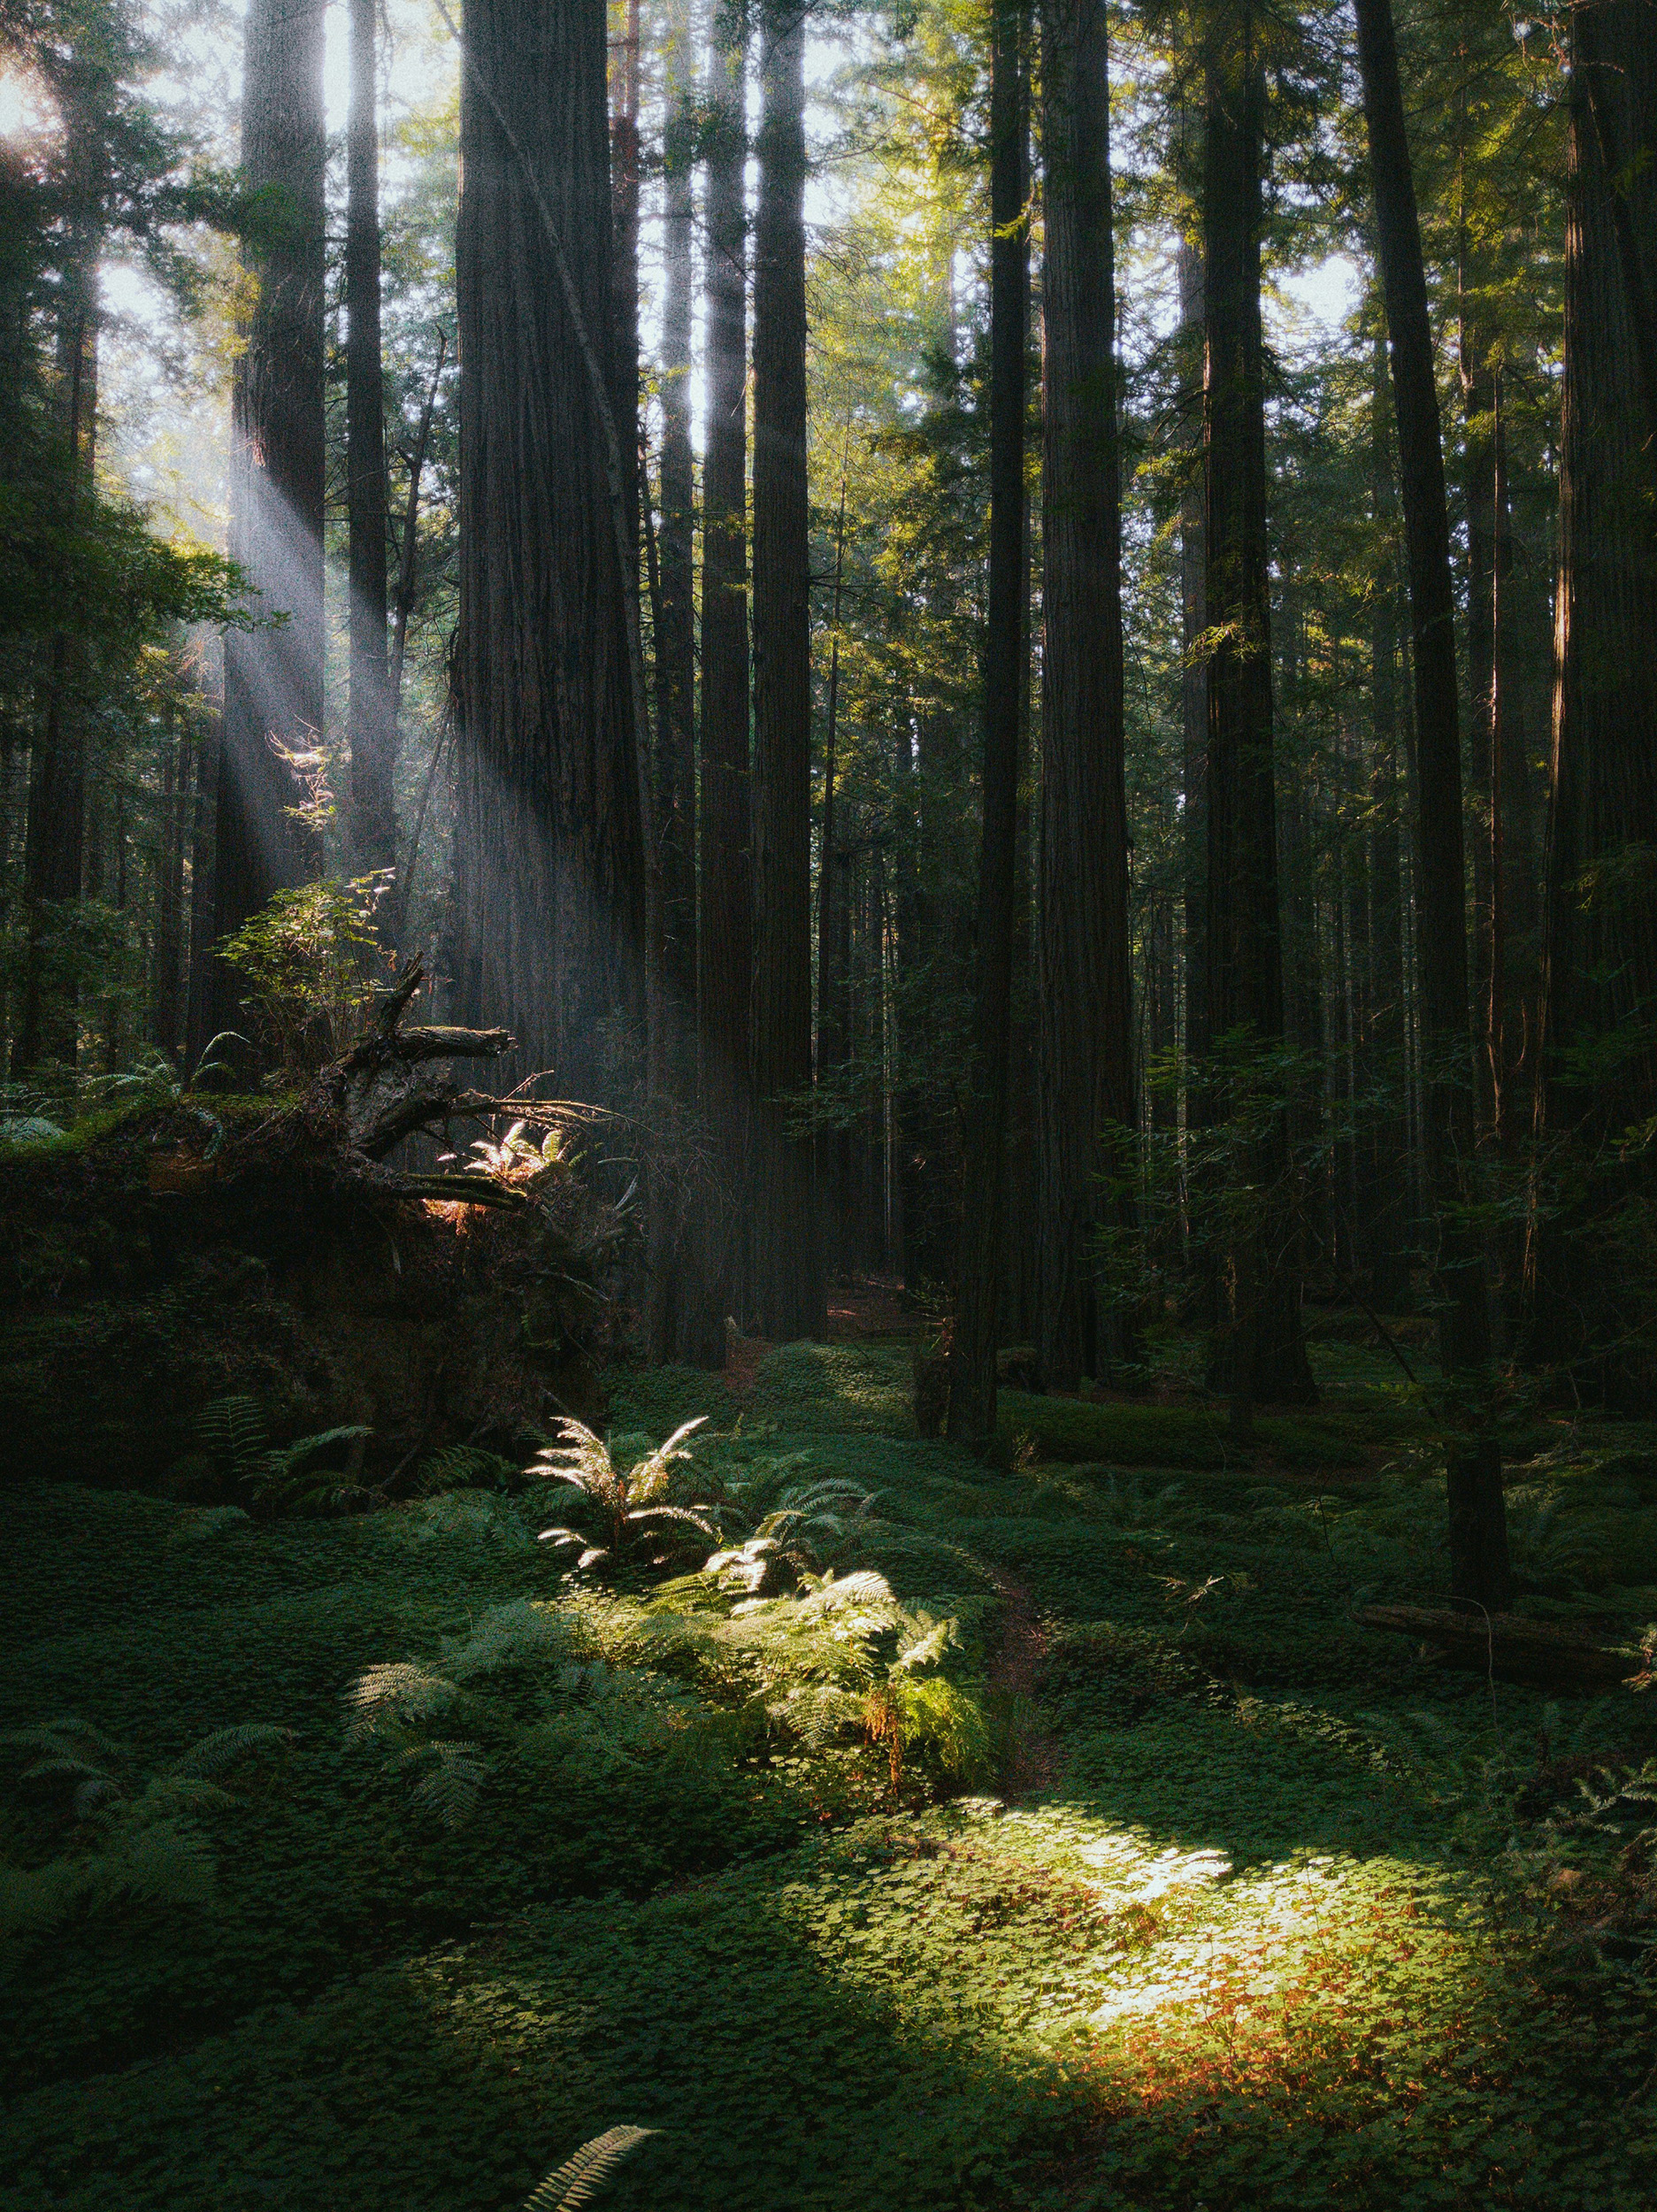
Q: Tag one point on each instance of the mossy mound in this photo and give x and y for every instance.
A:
(156, 1258)
(1200, 1437)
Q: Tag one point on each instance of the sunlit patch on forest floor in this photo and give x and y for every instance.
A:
(1242, 1906)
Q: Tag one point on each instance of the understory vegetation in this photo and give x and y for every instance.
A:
(1034, 1833)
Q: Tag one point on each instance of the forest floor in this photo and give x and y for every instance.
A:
(1227, 1903)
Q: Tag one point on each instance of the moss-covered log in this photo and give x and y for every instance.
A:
(183, 1250)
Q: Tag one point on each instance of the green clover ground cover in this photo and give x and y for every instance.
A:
(1282, 1916)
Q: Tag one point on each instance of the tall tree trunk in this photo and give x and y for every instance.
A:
(1600, 979)
(202, 975)
(788, 1293)
(723, 877)
(408, 570)
(54, 857)
(676, 641)
(166, 997)
(1479, 492)
(624, 265)
(1386, 1212)
(1016, 1324)
(830, 1037)
(972, 1376)
(1193, 681)
(273, 698)
(550, 855)
(932, 933)
(1294, 777)
(373, 723)
(1522, 626)
(1258, 1351)
(1084, 1045)
(1478, 1536)
(1306, 1028)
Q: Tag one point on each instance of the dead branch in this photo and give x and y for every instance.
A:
(1507, 1645)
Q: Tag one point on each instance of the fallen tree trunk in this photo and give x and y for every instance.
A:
(1506, 1644)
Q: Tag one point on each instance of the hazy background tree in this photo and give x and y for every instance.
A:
(788, 1296)
(1085, 1019)
(550, 923)
(270, 726)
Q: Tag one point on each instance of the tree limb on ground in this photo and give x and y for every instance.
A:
(1506, 1644)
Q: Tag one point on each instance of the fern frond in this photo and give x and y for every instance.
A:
(308, 1447)
(396, 1691)
(462, 1467)
(450, 1790)
(579, 2179)
(820, 1715)
(571, 1540)
(177, 1794)
(53, 1735)
(864, 1588)
(925, 1643)
(99, 1792)
(63, 1762)
(579, 1456)
(158, 1863)
(645, 1513)
(227, 1745)
(508, 1636)
(232, 1431)
(646, 1479)
(285, 1475)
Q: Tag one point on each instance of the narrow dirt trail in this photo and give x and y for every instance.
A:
(1034, 1761)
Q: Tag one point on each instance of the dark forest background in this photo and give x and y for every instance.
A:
(810, 567)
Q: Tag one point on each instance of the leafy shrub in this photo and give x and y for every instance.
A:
(810, 1525)
(638, 1522)
(120, 1837)
(466, 1467)
(844, 1653)
(233, 1434)
(311, 960)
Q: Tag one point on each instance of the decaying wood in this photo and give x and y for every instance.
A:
(394, 1083)
(388, 1087)
(1506, 1644)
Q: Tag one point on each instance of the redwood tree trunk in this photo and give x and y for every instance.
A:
(1385, 1225)
(788, 1294)
(1193, 682)
(676, 642)
(273, 703)
(624, 263)
(55, 852)
(1522, 609)
(168, 970)
(1478, 1537)
(724, 881)
(1258, 1351)
(550, 861)
(972, 1378)
(373, 724)
(1085, 1041)
(1601, 975)
(1478, 492)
